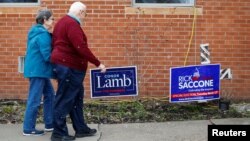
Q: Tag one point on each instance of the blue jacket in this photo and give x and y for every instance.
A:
(37, 59)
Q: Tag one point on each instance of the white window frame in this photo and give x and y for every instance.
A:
(24, 4)
(21, 60)
(190, 4)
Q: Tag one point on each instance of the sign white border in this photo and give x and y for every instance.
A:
(185, 67)
(136, 94)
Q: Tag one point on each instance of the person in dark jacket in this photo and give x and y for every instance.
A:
(70, 57)
(38, 69)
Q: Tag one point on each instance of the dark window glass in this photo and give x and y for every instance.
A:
(18, 1)
(160, 1)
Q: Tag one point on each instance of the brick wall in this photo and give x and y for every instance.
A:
(153, 39)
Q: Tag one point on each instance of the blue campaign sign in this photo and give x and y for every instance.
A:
(119, 81)
(195, 83)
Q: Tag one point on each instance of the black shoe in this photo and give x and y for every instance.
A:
(62, 138)
(91, 132)
(33, 133)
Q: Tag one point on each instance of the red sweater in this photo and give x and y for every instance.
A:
(70, 46)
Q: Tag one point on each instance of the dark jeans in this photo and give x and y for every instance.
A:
(69, 100)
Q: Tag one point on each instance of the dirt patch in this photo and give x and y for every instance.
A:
(144, 110)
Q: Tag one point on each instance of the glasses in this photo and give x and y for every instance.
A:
(51, 19)
(85, 13)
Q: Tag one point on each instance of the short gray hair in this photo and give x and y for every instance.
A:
(43, 14)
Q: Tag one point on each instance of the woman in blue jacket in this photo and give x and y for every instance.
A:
(38, 69)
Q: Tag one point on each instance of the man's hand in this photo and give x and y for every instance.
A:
(102, 67)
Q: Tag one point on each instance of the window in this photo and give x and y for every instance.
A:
(163, 3)
(19, 2)
(21, 60)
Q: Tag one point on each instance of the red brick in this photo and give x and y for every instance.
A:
(153, 42)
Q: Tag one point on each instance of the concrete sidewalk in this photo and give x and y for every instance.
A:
(165, 131)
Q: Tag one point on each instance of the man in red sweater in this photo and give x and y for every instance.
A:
(70, 57)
